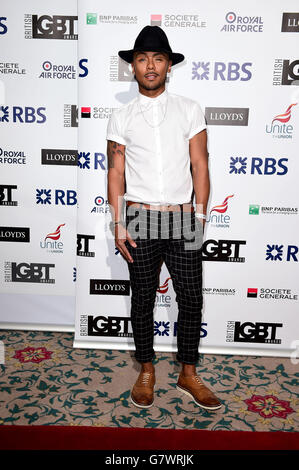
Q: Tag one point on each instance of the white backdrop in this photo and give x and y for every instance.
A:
(240, 102)
(240, 65)
(38, 158)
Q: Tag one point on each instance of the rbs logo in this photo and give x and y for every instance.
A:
(231, 72)
(83, 67)
(258, 166)
(26, 115)
(3, 27)
(269, 166)
(61, 197)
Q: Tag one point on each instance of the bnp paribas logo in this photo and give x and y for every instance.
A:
(254, 209)
(91, 18)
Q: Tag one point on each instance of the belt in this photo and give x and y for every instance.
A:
(185, 207)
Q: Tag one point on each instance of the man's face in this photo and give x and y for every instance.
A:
(150, 69)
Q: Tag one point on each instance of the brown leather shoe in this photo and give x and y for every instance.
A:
(142, 394)
(201, 395)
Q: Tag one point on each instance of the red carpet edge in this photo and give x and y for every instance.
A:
(105, 438)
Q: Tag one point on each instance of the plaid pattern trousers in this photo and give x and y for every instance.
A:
(174, 237)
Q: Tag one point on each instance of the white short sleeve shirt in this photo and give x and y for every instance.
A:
(156, 133)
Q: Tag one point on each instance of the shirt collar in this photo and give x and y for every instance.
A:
(158, 99)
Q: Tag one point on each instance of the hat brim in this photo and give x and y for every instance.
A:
(128, 55)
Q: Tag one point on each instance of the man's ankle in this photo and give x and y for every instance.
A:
(188, 370)
(147, 367)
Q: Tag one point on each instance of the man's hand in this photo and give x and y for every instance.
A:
(121, 235)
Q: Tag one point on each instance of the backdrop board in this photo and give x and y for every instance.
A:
(241, 65)
(38, 164)
(60, 80)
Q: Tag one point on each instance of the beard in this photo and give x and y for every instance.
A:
(152, 86)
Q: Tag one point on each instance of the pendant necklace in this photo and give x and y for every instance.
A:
(157, 125)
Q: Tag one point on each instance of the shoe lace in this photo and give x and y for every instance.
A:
(145, 377)
(198, 380)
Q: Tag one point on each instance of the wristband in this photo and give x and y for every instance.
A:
(200, 216)
(118, 222)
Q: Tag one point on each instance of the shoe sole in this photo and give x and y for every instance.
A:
(196, 402)
(140, 406)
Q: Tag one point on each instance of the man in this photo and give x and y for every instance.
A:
(152, 142)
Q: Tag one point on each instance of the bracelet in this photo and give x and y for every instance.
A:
(113, 225)
(200, 216)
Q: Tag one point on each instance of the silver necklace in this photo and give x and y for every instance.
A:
(157, 125)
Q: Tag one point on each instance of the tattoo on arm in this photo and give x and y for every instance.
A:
(113, 149)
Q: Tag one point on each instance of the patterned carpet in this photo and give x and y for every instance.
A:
(45, 381)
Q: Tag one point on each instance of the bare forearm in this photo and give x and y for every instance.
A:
(116, 177)
(116, 189)
(201, 184)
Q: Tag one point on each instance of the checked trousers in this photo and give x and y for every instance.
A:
(165, 236)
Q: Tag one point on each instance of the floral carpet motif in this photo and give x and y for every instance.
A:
(45, 381)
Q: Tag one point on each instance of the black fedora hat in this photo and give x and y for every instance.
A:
(151, 38)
